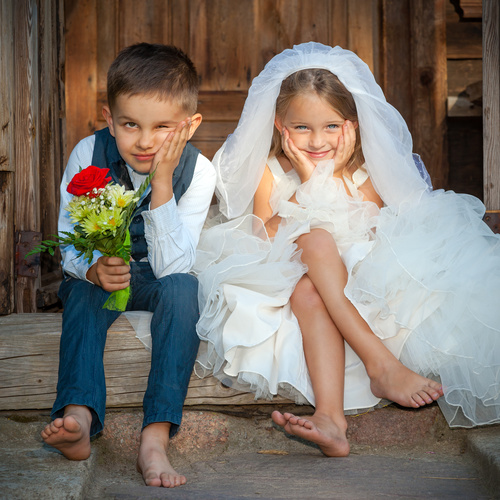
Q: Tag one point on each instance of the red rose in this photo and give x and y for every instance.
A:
(89, 178)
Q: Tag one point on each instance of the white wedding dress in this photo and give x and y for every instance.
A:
(423, 280)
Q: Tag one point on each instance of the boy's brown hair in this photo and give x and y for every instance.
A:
(154, 69)
(327, 86)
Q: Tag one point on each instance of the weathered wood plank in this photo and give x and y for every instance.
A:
(396, 56)
(463, 39)
(363, 33)
(429, 90)
(29, 350)
(7, 161)
(51, 152)
(81, 70)
(26, 139)
(491, 103)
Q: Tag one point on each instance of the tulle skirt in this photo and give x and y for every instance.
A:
(426, 280)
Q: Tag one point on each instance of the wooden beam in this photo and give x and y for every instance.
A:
(29, 357)
(26, 137)
(491, 103)
(6, 158)
(429, 86)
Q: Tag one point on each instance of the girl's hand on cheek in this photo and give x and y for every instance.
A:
(300, 162)
(345, 146)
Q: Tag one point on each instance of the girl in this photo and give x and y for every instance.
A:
(340, 278)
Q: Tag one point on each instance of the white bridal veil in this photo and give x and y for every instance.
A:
(386, 141)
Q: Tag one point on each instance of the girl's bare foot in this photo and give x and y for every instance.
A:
(318, 428)
(71, 433)
(398, 383)
(152, 461)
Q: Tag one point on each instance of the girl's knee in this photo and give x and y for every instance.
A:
(317, 243)
(305, 296)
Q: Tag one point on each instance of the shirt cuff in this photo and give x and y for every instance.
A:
(161, 220)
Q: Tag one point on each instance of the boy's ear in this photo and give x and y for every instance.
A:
(106, 112)
(195, 123)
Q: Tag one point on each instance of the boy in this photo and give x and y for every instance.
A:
(151, 114)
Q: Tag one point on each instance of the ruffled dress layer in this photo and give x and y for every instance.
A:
(426, 280)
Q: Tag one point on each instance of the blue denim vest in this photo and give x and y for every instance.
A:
(106, 155)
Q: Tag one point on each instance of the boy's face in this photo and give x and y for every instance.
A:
(140, 124)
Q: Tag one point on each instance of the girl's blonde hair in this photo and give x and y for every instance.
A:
(327, 86)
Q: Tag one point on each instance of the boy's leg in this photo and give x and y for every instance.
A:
(174, 303)
(78, 411)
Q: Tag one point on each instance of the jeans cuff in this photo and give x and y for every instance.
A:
(97, 424)
(173, 418)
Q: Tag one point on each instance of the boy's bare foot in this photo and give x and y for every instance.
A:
(153, 462)
(71, 433)
(398, 383)
(318, 428)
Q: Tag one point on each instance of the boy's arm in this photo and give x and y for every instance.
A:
(172, 231)
(81, 156)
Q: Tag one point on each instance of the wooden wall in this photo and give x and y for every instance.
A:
(229, 42)
(31, 143)
(54, 56)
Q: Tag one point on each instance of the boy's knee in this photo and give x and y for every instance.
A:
(180, 288)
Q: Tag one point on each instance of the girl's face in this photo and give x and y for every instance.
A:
(314, 126)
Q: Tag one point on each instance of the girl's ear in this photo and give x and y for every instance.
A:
(278, 123)
(106, 112)
(356, 124)
(195, 123)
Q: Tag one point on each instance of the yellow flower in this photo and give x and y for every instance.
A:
(92, 224)
(119, 195)
(79, 208)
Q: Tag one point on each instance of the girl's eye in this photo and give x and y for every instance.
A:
(333, 126)
(131, 125)
(301, 127)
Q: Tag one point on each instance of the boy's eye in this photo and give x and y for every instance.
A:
(131, 125)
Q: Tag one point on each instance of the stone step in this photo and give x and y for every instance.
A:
(394, 450)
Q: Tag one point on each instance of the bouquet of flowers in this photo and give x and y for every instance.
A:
(101, 211)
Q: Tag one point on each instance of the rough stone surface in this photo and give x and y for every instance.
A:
(31, 470)
(395, 452)
(484, 444)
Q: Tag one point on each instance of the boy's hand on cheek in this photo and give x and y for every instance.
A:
(165, 161)
(110, 273)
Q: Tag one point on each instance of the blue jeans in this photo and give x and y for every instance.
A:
(174, 304)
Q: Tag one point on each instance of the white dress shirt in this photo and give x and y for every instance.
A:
(172, 230)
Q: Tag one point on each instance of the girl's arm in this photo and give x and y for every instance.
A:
(261, 207)
(369, 193)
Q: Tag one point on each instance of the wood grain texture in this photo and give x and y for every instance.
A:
(429, 87)
(26, 137)
(491, 103)
(7, 160)
(51, 114)
(395, 69)
(81, 70)
(29, 350)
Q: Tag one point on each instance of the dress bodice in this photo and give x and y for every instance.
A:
(286, 183)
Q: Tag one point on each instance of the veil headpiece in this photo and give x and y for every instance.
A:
(385, 139)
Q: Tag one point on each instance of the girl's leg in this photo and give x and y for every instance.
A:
(389, 378)
(325, 357)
